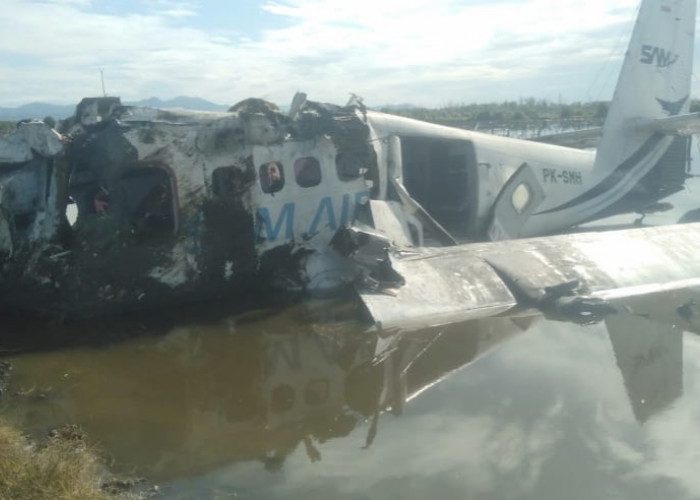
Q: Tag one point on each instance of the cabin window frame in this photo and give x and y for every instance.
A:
(283, 399)
(519, 206)
(343, 174)
(223, 181)
(268, 183)
(302, 176)
(317, 392)
(168, 181)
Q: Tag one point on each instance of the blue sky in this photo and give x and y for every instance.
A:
(426, 52)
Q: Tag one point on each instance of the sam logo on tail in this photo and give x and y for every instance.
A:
(662, 57)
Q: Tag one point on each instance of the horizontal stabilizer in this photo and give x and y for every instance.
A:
(687, 124)
(584, 138)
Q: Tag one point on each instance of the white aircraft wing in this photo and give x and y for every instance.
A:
(569, 277)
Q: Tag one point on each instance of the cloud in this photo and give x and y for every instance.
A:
(674, 446)
(389, 51)
(173, 9)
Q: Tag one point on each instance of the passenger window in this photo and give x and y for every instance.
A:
(307, 172)
(520, 198)
(223, 181)
(228, 181)
(282, 398)
(349, 166)
(100, 201)
(271, 177)
(148, 199)
(317, 392)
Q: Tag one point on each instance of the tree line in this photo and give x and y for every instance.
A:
(525, 113)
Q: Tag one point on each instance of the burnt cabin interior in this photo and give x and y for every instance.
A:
(128, 210)
(436, 173)
(142, 197)
(24, 192)
(106, 179)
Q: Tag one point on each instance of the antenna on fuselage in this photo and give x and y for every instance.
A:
(102, 78)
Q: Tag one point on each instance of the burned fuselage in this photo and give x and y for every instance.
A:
(127, 207)
(132, 207)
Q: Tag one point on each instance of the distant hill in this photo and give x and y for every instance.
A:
(390, 108)
(180, 102)
(36, 110)
(60, 112)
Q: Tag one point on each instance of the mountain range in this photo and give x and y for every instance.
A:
(41, 109)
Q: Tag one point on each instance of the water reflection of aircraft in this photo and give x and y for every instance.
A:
(647, 339)
(174, 205)
(650, 358)
(261, 390)
(202, 396)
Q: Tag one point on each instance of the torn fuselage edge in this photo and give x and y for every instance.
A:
(170, 203)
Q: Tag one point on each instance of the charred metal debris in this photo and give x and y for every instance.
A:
(123, 207)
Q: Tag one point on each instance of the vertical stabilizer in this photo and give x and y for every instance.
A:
(654, 83)
(637, 163)
(650, 358)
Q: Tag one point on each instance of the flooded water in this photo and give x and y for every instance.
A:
(310, 402)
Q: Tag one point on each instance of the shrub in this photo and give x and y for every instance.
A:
(63, 468)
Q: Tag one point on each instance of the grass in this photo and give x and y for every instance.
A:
(63, 468)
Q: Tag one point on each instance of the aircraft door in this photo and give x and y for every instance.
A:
(516, 202)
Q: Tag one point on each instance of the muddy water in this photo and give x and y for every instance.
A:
(309, 403)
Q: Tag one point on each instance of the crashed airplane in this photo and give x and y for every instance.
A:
(125, 207)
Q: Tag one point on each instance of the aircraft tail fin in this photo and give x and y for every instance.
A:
(650, 358)
(654, 84)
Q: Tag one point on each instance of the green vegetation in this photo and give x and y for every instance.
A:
(63, 468)
(522, 114)
(511, 113)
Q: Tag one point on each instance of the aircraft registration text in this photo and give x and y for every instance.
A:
(554, 176)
